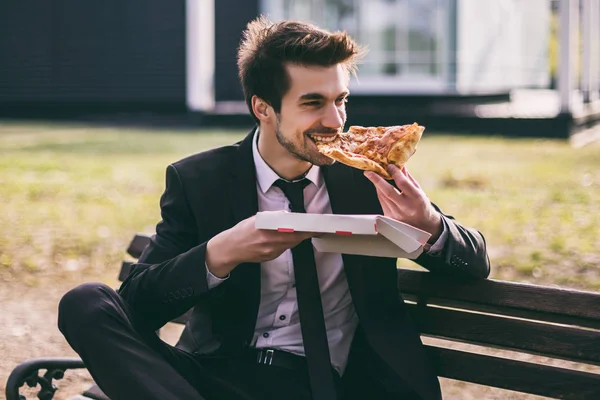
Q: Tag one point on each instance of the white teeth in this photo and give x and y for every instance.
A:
(323, 138)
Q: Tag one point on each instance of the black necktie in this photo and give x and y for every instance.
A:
(312, 321)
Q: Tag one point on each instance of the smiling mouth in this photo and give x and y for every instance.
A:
(322, 138)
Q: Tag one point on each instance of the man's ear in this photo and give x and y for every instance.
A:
(261, 109)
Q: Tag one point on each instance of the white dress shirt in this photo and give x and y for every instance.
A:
(278, 324)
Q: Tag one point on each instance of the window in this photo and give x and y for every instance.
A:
(407, 39)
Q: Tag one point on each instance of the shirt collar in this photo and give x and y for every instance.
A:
(266, 176)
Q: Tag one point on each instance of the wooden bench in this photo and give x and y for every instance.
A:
(556, 323)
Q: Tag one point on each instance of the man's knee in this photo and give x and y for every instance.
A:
(83, 304)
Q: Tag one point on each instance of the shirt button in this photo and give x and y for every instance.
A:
(266, 335)
(282, 317)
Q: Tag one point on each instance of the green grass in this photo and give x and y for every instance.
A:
(72, 196)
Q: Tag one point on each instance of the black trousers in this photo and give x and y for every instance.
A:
(130, 362)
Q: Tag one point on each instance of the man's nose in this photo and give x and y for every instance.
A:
(334, 117)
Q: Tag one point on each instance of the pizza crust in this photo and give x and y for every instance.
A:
(374, 148)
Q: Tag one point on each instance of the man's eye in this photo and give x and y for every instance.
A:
(312, 104)
(342, 100)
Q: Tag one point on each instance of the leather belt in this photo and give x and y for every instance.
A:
(281, 359)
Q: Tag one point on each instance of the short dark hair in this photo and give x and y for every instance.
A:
(266, 47)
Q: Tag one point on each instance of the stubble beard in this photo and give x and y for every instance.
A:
(302, 152)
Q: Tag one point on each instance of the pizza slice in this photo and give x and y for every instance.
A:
(372, 148)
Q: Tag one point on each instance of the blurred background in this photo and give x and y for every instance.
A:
(501, 66)
(97, 98)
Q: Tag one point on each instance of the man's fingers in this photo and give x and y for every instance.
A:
(308, 235)
(413, 180)
(297, 236)
(382, 186)
(402, 180)
(375, 178)
(387, 206)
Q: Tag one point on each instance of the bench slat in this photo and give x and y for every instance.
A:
(125, 269)
(137, 245)
(502, 294)
(564, 342)
(505, 311)
(521, 376)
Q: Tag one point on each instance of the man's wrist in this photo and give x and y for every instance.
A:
(437, 229)
(218, 271)
(218, 261)
(435, 249)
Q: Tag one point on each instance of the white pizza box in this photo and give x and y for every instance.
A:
(370, 235)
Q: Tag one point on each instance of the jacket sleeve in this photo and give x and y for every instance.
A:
(170, 276)
(464, 253)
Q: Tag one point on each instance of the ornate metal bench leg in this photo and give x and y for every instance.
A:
(28, 373)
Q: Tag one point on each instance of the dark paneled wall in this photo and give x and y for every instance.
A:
(106, 51)
(231, 18)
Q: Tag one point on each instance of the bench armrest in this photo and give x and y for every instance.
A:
(28, 373)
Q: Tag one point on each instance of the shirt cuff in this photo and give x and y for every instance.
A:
(436, 248)
(212, 280)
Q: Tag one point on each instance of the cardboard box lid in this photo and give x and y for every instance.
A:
(373, 235)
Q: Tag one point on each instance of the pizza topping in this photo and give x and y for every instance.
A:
(372, 148)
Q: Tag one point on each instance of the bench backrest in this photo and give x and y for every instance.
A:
(552, 322)
(135, 250)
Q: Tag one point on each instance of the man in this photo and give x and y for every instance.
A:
(257, 330)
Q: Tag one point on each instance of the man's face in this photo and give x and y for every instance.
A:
(315, 104)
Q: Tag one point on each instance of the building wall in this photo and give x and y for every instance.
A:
(71, 51)
(231, 18)
(502, 44)
(408, 40)
(437, 46)
(536, 36)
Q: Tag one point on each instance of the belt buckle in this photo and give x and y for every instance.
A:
(268, 357)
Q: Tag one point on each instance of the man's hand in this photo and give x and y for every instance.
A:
(245, 243)
(410, 204)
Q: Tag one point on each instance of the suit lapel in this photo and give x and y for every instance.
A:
(242, 182)
(339, 181)
(347, 198)
(395, 341)
(244, 281)
(349, 191)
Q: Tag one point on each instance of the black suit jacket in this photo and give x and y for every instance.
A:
(210, 192)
